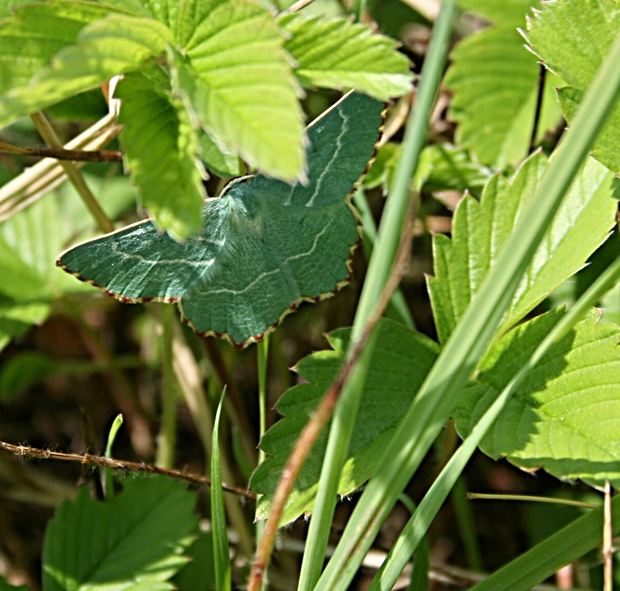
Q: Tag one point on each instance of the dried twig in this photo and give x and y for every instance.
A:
(63, 154)
(103, 462)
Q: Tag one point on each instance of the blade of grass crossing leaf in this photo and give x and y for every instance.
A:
(439, 393)
(218, 513)
(379, 269)
(431, 503)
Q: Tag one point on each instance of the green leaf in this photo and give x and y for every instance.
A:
(503, 12)
(160, 151)
(84, 106)
(29, 243)
(265, 247)
(441, 167)
(564, 418)
(397, 368)
(165, 11)
(30, 39)
(336, 53)
(134, 542)
(573, 47)
(495, 83)
(480, 230)
(115, 194)
(34, 237)
(107, 47)
(20, 281)
(239, 84)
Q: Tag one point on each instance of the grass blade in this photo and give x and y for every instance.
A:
(473, 334)
(379, 269)
(218, 514)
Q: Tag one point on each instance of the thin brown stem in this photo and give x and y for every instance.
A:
(103, 462)
(75, 176)
(317, 422)
(62, 154)
(542, 75)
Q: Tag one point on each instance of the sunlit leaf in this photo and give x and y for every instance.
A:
(161, 146)
(36, 33)
(495, 84)
(574, 47)
(237, 80)
(109, 46)
(337, 53)
(134, 542)
(503, 12)
(565, 417)
(444, 167)
(480, 230)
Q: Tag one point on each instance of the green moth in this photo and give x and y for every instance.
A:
(265, 246)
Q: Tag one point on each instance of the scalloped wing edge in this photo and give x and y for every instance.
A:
(294, 305)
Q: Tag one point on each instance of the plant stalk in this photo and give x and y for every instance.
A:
(166, 440)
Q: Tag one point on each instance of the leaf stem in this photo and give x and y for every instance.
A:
(532, 498)
(109, 480)
(542, 76)
(233, 403)
(299, 5)
(51, 139)
(263, 353)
